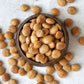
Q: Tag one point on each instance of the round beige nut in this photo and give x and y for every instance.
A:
(0, 63)
(47, 39)
(45, 25)
(13, 50)
(43, 61)
(68, 22)
(54, 82)
(15, 55)
(75, 31)
(60, 45)
(12, 29)
(11, 42)
(40, 78)
(43, 49)
(14, 22)
(46, 31)
(48, 53)
(67, 68)
(27, 67)
(26, 31)
(6, 52)
(24, 7)
(8, 35)
(72, 10)
(54, 29)
(24, 47)
(12, 61)
(75, 67)
(2, 70)
(63, 62)
(29, 55)
(21, 71)
(55, 11)
(50, 69)
(56, 54)
(40, 33)
(26, 25)
(21, 62)
(5, 77)
(81, 40)
(61, 2)
(2, 38)
(50, 21)
(52, 45)
(69, 56)
(2, 44)
(28, 40)
(41, 19)
(32, 74)
(35, 9)
(34, 38)
(14, 69)
(57, 66)
(22, 38)
(61, 73)
(48, 78)
(70, 1)
(12, 81)
(37, 26)
(40, 83)
(37, 44)
(59, 35)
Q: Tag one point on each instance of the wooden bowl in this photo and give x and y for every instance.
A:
(52, 61)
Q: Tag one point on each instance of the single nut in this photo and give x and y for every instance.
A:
(26, 25)
(50, 69)
(28, 40)
(22, 38)
(21, 71)
(69, 56)
(11, 42)
(32, 74)
(57, 66)
(35, 9)
(24, 47)
(59, 35)
(70, 1)
(61, 2)
(40, 78)
(2, 38)
(63, 62)
(67, 68)
(37, 44)
(54, 82)
(45, 25)
(15, 55)
(48, 78)
(14, 22)
(24, 7)
(13, 50)
(56, 54)
(2, 44)
(48, 53)
(75, 31)
(8, 35)
(50, 21)
(27, 67)
(41, 19)
(39, 33)
(12, 81)
(2, 70)
(6, 52)
(34, 38)
(21, 62)
(29, 55)
(72, 10)
(81, 40)
(12, 29)
(75, 67)
(55, 11)
(61, 73)
(5, 77)
(12, 61)
(68, 22)
(43, 49)
(60, 45)
(0, 63)
(14, 69)
(43, 61)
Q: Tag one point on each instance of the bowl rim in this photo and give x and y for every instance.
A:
(50, 63)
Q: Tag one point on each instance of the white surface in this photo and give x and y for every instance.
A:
(11, 9)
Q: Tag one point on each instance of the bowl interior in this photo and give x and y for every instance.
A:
(52, 61)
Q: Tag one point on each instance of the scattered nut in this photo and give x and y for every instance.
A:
(54, 82)
(61, 2)
(12, 81)
(67, 68)
(27, 67)
(75, 67)
(2, 70)
(6, 52)
(0, 63)
(63, 62)
(11, 42)
(21, 71)
(14, 69)
(2, 44)
(15, 55)
(55, 11)
(21, 62)
(81, 40)
(57, 66)
(70, 1)
(40, 78)
(2, 38)
(24, 7)
(14, 22)
(13, 50)
(12, 29)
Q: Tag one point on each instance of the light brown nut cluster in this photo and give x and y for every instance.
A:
(55, 11)
(81, 40)
(14, 22)
(75, 67)
(39, 78)
(6, 52)
(12, 81)
(24, 7)
(42, 39)
(61, 2)
(2, 70)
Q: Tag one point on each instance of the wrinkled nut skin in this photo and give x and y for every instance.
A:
(61, 2)
(2, 38)
(32, 74)
(75, 67)
(27, 67)
(70, 1)
(35, 9)
(13, 50)
(11, 42)
(37, 44)
(55, 11)
(54, 82)
(15, 55)
(21, 71)
(39, 33)
(12, 81)
(81, 40)
(29, 55)
(6, 52)
(59, 35)
(21, 62)
(14, 22)
(24, 47)
(61, 73)
(22, 38)
(5, 77)
(2, 44)
(57, 66)
(2, 70)
(50, 21)
(24, 7)
(67, 68)
(63, 62)
(40, 78)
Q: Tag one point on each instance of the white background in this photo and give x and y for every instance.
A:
(11, 9)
